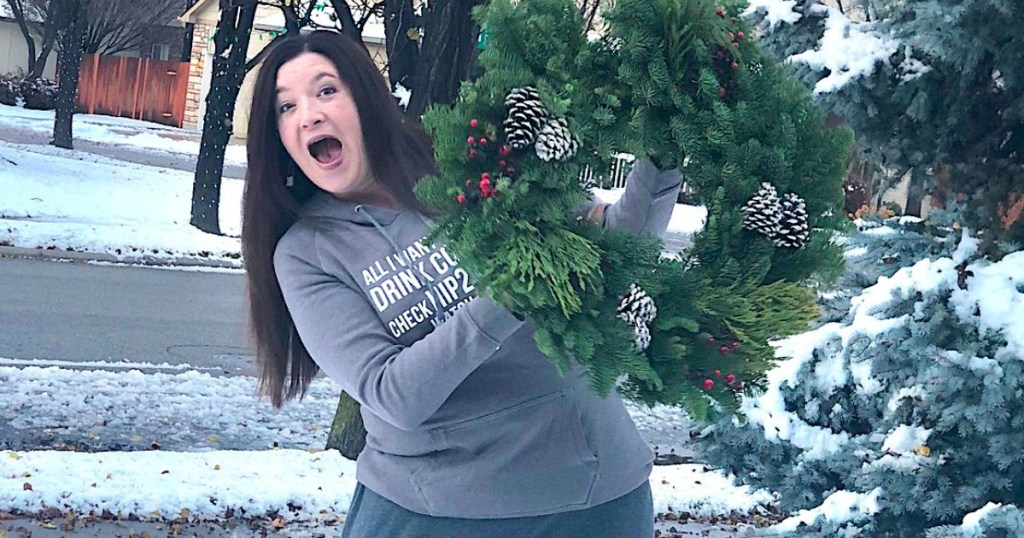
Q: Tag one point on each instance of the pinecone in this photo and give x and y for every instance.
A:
(793, 230)
(526, 115)
(643, 336)
(555, 141)
(762, 211)
(637, 306)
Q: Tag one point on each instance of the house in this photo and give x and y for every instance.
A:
(269, 21)
(14, 51)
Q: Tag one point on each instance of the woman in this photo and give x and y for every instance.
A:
(470, 428)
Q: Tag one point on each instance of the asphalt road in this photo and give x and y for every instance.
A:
(81, 312)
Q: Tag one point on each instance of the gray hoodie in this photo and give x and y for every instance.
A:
(465, 417)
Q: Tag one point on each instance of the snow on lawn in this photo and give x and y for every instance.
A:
(217, 440)
(74, 200)
(118, 131)
(183, 407)
(161, 485)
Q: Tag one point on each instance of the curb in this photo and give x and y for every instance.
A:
(55, 254)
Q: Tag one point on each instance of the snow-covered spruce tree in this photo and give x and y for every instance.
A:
(678, 80)
(932, 88)
(903, 418)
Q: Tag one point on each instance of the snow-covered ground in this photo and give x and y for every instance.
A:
(117, 132)
(299, 484)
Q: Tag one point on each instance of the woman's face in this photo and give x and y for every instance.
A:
(319, 126)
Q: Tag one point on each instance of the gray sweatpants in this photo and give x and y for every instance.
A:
(629, 516)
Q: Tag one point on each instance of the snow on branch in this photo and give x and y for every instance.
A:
(848, 50)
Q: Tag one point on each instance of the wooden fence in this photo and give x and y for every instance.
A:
(139, 88)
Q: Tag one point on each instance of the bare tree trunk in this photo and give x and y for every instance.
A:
(231, 41)
(447, 54)
(71, 40)
(348, 435)
(18, 10)
(400, 27)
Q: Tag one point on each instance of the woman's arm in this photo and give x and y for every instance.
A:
(646, 205)
(404, 385)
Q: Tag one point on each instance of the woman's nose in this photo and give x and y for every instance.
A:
(311, 117)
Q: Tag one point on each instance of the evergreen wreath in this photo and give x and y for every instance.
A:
(679, 80)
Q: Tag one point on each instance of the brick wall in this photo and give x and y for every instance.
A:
(201, 45)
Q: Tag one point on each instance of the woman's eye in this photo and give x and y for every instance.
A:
(329, 90)
(285, 107)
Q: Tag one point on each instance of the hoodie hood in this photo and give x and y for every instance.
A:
(325, 205)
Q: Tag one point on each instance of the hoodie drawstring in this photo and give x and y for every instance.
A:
(429, 281)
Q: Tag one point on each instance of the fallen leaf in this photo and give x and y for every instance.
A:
(277, 523)
(212, 438)
(184, 514)
(27, 487)
(14, 456)
(91, 435)
(26, 474)
(216, 467)
(48, 525)
(136, 438)
(165, 472)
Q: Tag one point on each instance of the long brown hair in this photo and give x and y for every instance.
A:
(398, 151)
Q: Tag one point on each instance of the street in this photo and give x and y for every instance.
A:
(83, 312)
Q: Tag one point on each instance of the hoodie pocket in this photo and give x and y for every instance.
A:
(527, 459)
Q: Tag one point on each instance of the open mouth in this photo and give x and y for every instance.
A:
(326, 150)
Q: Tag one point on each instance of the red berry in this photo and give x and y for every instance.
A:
(730, 379)
(735, 345)
(718, 373)
(734, 66)
(471, 141)
(739, 35)
(502, 164)
(473, 123)
(504, 150)
(462, 198)
(511, 171)
(483, 141)
(485, 177)
(724, 349)
(720, 12)
(711, 340)
(721, 91)
(709, 384)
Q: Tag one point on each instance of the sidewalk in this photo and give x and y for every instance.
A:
(174, 161)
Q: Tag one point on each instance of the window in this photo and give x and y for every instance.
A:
(161, 52)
